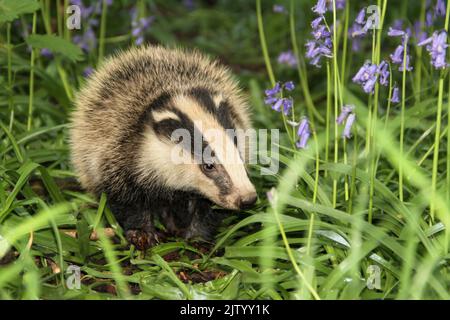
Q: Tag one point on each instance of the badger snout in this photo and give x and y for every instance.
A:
(247, 201)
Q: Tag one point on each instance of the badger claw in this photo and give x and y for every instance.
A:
(143, 240)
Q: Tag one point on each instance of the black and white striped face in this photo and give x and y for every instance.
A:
(194, 141)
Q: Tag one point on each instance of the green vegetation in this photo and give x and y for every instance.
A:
(342, 211)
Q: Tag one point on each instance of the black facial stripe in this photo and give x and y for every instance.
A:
(159, 103)
(189, 125)
(222, 113)
(224, 118)
(204, 99)
(223, 181)
(166, 127)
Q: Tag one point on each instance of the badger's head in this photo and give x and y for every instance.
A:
(194, 142)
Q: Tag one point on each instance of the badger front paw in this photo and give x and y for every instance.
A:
(143, 240)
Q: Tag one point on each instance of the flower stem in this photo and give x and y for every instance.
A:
(437, 137)
(262, 39)
(302, 76)
(345, 43)
(447, 231)
(31, 92)
(291, 256)
(10, 84)
(402, 121)
(65, 15)
(328, 117)
(336, 107)
(101, 47)
(372, 157)
(448, 143)
(419, 55)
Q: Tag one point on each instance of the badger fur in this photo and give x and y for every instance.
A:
(122, 141)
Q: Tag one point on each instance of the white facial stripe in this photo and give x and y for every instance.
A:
(185, 175)
(163, 115)
(218, 98)
(228, 155)
(188, 174)
(195, 112)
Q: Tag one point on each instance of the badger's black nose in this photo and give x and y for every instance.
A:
(248, 201)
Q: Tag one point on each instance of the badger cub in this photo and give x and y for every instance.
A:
(132, 138)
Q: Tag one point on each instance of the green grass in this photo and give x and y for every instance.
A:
(378, 201)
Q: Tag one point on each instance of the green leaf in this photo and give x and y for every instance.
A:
(4, 246)
(12, 9)
(57, 45)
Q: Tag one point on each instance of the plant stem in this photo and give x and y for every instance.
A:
(262, 39)
(336, 107)
(10, 84)
(61, 71)
(402, 121)
(345, 44)
(101, 47)
(448, 142)
(372, 157)
(302, 76)
(419, 55)
(291, 256)
(65, 15)
(437, 138)
(59, 18)
(31, 92)
(328, 117)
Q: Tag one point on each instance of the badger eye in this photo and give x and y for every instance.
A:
(208, 167)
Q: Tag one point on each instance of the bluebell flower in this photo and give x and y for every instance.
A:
(340, 4)
(383, 71)
(395, 32)
(88, 71)
(139, 26)
(348, 116)
(278, 8)
(322, 44)
(348, 126)
(289, 86)
(437, 45)
(87, 41)
(320, 8)
(439, 9)
(275, 90)
(189, 4)
(429, 19)
(278, 103)
(287, 58)
(360, 18)
(367, 77)
(398, 55)
(398, 24)
(46, 53)
(316, 22)
(355, 32)
(303, 134)
(345, 111)
(419, 34)
(395, 95)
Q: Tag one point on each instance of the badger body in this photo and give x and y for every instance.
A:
(122, 141)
